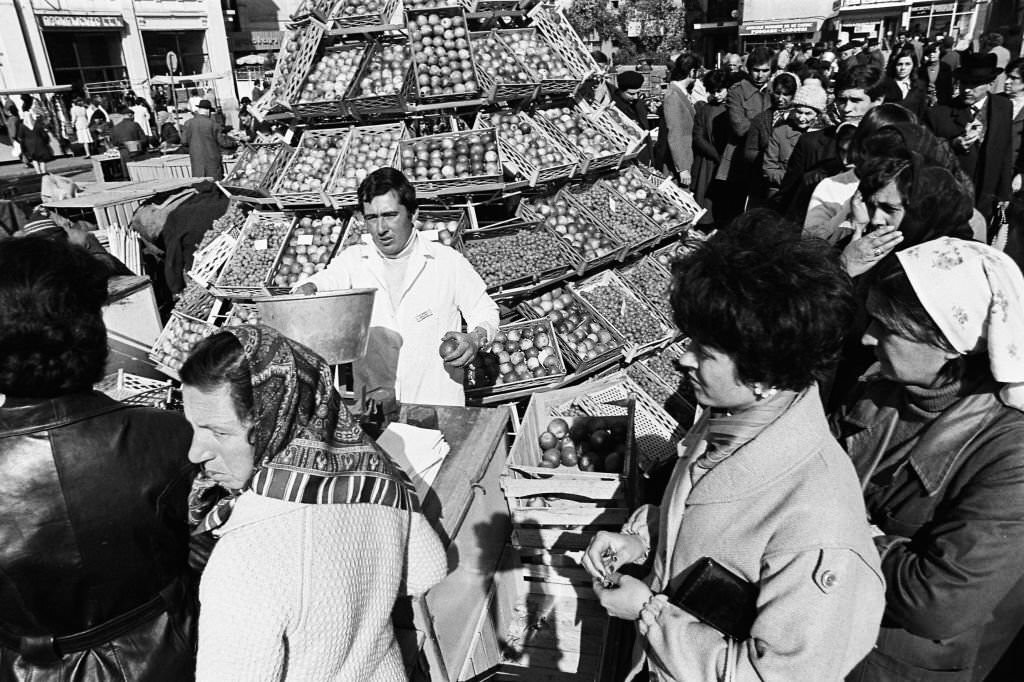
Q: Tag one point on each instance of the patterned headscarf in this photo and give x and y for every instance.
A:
(308, 448)
(975, 294)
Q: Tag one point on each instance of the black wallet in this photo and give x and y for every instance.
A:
(717, 597)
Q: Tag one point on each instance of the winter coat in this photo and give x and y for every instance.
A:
(201, 135)
(674, 149)
(776, 158)
(710, 134)
(93, 527)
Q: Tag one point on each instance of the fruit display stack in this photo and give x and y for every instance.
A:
(451, 161)
(621, 217)
(442, 55)
(308, 250)
(527, 151)
(331, 76)
(256, 253)
(626, 314)
(578, 329)
(176, 340)
(514, 255)
(258, 168)
(585, 443)
(577, 226)
(305, 178)
(520, 353)
(369, 148)
(502, 76)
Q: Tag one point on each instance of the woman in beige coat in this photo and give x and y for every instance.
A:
(761, 487)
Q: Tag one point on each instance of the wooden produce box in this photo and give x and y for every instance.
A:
(335, 107)
(344, 21)
(368, 106)
(484, 375)
(256, 188)
(518, 165)
(542, 258)
(342, 187)
(556, 30)
(619, 308)
(208, 261)
(286, 195)
(467, 184)
(298, 49)
(630, 225)
(175, 342)
(419, 59)
(253, 261)
(525, 87)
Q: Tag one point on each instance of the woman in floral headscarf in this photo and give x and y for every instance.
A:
(318, 529)
(936, 434)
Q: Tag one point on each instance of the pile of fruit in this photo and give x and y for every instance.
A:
(651, 202)
(520, 352)
(244, 313)
(330, 78)
(619, 216)
(653, 283)
(537, 55)
(497, 61)
(518, 134)
(445, 229)
(444, 61)
(195, 301)
(580, 132)
(590, 444)
(385, 72)
(251, 168)
(311, 165)
(576, 327)
(257, 249)
(508, 257)
(367, 151)
(308, 251)
(176, 341)
(287, 69)
(233, 220)
(456, 155)
(574, 226)
(624, 312)
(651, 386)
(358, 8)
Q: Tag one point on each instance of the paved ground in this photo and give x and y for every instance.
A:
(78, 167)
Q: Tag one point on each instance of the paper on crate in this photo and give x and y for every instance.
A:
(418, 451)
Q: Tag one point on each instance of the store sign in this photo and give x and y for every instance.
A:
(81, 21)
(255, 41)
(779, 27)
(937, 8)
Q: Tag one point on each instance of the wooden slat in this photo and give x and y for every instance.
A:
(549, 538)
(562, 575)
(583, 665)
(592, 489)
(570, 516)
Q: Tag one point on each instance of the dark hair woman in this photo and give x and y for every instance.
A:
(93, 558)
(905, 86)
(767, 492)
(318, 529)
(710, 135)
(937, 436)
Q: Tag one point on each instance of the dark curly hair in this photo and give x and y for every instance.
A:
(52, 338)
(777, 304)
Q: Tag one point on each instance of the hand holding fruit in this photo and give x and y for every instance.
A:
(458, 349)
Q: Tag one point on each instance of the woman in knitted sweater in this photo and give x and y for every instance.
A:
(319, 531)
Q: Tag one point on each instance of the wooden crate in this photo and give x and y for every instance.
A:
(329, 108)
(288, 198)
(455, 185)
(298, 49)
(659, 334)
(418, 59)
(256, 284)
(527, 88)
(563, 260)
(589, 164)
(132, 389)
(179, 334)
(531, 211)
(294, 238)
(535, 42)
(369, 106)
(477, 386)
(258, 191)
(343, 196)
(518, 165)
(362, 24)
(561, 36)
(620, 216)
(208, 261)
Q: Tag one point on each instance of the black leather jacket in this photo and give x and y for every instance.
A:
(94, 542)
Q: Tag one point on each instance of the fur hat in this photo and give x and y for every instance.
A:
(811, 95)
(630, 80)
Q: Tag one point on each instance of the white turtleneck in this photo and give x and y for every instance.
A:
(395, 267)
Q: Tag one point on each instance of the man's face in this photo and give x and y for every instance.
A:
(759, 74)
(631, 95)
(973, 92)
(733, 64)
(389, 223)
(1014, 84)
(854, 104)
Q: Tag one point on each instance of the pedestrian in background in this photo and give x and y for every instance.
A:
(201, 135)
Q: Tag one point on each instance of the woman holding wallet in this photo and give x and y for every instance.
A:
(761, 488)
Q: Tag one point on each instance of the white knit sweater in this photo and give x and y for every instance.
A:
(304, 592)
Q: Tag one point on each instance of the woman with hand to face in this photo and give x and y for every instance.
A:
(936, 434)
(318, 530)
(760, 486)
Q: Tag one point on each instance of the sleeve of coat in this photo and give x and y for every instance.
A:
(425, 562)
(734, 108)
(679, 122)
(818, 615)
(774, 165)
(472, 299)
(954, 571)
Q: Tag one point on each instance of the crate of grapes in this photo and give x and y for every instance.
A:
(671, 207)
(304, 180)
(308, 249)
(256, 172)
(329, 78)
(556, 77)
(516, 259)
(298, 49)
(589, 344)
(620, 309)
(452, 77)
(503, 76)
(257, 251)
(384, 81)
(527, 151)
(370, 148)
(522, 355)
(453, 163)
(652, 282)
(363, 16)
(586, 234)
(597, 152)
(621, 217)
(175, 342)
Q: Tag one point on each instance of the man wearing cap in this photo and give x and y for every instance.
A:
(628, 99)
(872, 54)
(979, 128)
(200, 135)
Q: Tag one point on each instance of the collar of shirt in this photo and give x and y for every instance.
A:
(979, 106)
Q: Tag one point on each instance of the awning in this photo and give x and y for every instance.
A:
(766, 28)
(712, 25)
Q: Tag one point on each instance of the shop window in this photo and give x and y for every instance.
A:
(190, 46)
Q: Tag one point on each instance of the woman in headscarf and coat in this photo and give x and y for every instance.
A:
(936, 433)
(318, 531)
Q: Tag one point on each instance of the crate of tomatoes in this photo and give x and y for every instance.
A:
(369, 149)
(305, 179)
(521, 355)
(453, 163)
(527, 151)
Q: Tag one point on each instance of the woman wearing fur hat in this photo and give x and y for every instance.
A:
(808, 105)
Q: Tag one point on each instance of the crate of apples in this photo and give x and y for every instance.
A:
(556, 77)
(380, 86)
(351, 16)
(176, 341)
(257, 170)
(329, 80)
(255, 255)
(520, 355)
(370, 148)
(529, 152)
(298, 49)
(453, 162)
(597, 150)
(620, 216)
(442, 55)
(580, 331)
(591, 444)
(652, 202)
(585, 234)
(307, 251)
(502, 76)
(304, 180)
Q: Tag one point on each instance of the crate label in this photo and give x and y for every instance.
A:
(260, 245)
(304, 240)
(612, 205)
(431, 234)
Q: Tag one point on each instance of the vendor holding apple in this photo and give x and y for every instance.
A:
(424, 292)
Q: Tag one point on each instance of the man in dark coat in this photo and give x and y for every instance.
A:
(937, 74)
(747, 100)
(201, 135)
(979, 128)
(629, 100)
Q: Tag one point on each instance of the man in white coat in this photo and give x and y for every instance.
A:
(424, 292)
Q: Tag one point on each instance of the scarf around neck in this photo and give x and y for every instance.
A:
(727, 432)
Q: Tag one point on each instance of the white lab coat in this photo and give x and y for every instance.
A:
(440, 284)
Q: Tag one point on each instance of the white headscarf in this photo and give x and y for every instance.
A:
(975, 294)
